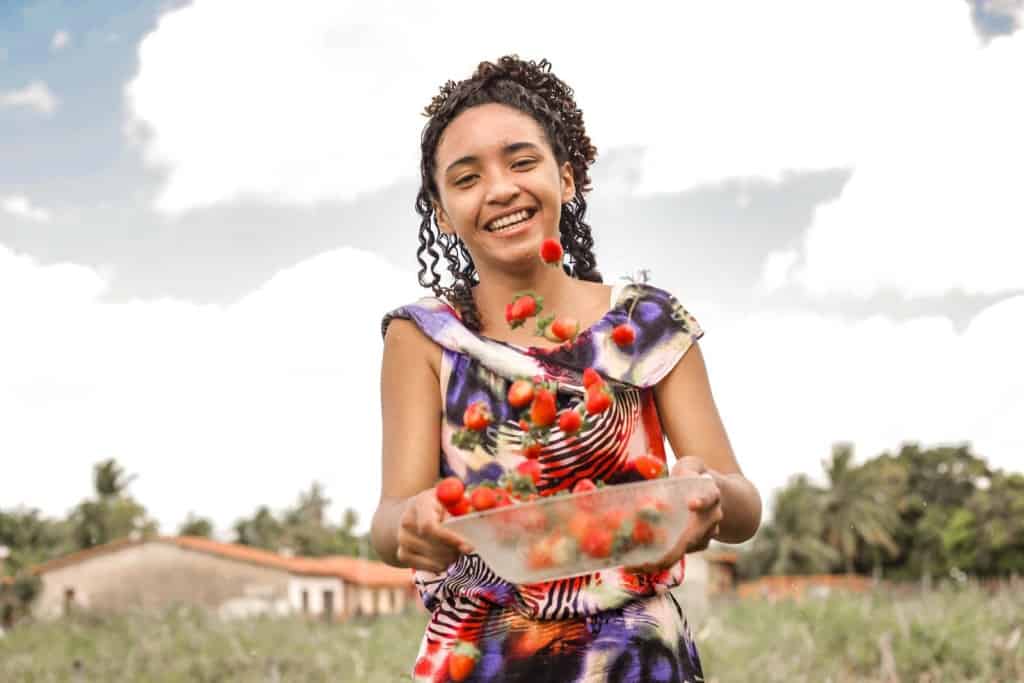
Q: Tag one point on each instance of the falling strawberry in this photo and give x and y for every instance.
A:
(532, 449)
(570, 421)
(590, 377)
(543, 410)
(649, 466)
(551, 252)
(599, 399)
(523, 306)
(520, 393)
(449, 491)
(564, 329)
(624, 334)
(462, 660)
(483, 498)
(531, 469)
(477, 416)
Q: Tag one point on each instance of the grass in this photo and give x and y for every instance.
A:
(951, 634)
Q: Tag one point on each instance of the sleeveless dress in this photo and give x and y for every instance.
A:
(611, 625)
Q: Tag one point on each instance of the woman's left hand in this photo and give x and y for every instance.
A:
(705, 516)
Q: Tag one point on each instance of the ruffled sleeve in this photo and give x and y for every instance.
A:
(665, 331)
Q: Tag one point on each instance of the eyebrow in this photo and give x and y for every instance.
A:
(510, 148)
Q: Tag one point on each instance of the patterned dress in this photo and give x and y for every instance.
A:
(612, 625)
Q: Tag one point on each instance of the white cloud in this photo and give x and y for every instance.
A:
(20, 207)
(61, 39)
(717, 90)
(219, 409)
(35, 95)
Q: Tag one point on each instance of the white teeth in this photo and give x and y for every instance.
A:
(508, 220)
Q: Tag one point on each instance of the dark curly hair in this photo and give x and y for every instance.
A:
(532, 89)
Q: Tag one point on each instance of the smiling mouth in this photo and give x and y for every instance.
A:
(510, 221)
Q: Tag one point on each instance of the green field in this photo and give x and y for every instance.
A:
(951, 634)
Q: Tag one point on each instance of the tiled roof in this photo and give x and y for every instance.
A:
(351, 569)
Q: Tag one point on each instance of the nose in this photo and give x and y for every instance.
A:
(502, 189)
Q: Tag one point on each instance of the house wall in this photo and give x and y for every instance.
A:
(153, 575)
(693, 593)
(315, 587)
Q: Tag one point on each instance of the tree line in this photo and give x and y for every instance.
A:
(919, 513)
(28, 538)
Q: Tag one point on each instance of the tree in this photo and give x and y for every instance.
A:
(263, 530)
(791, 542)
(112, 513)
(857, 509)
(196, 526)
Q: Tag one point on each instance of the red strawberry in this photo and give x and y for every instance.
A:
(564, 329)
(483, 498)
(579, 524)
(597, 542)
(624, 334)
(539, 557)
(612, 519)
(569, 421)
(530, 468)
(543, 411)
(551, 252)
(599, 399)
(462, 661)
(520, 393)
(461, 507)
(591, 377)
(449, 491)
(524, 307)
(477, 416)
(524, 425)
(501, 498)
(584, 486)
(423, 667)
(643, 532)
(509, 313)
(649, 466)
(532, 450)
(532, 519)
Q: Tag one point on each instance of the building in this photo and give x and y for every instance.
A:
(229, 579)
(709, 573)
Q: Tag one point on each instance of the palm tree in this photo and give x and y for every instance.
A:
(857, 509)
(791, 542)
(109, 479)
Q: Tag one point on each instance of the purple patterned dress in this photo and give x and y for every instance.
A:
(612, 625)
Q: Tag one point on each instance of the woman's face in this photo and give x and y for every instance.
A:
(494, 162)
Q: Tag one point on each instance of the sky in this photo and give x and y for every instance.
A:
(207, 207)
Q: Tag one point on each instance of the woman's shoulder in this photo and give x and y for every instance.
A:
(428, 313)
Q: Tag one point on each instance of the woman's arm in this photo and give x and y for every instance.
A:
(695, 431)
(406, 528)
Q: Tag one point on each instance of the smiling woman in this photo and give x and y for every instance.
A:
(504, 168)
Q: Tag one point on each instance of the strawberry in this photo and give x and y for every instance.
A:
(551, 252)
(649, 466)
(579, 524)
(590, 377)
(483, 498)
(423, 667)
(509, 314)
(597, 542)
(531, 469)
(570, 421)
(477, 416)
(449, 491)
(461, 507)
(462, 660)
(584, 486)
(564, 329)
(501, 498)
(539, 556)
(520, 393)
(624, 334)
(522, 307)
(543, 410)
(643, 532)
(532, 519)
(612, 519)
(599, 399)
(532, 450)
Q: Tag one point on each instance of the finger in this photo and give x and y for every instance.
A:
(441, 535)
(417, 561)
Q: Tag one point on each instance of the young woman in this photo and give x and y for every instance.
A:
(505, 160)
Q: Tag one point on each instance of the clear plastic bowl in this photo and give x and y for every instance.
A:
(562, 536)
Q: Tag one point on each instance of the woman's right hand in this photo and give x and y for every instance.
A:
(422, 542)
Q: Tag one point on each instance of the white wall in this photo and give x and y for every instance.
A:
(316, 587)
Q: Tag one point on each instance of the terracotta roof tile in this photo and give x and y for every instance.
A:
(351, 569)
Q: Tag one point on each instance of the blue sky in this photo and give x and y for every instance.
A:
(838, 221)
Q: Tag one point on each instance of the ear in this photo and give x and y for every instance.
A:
(567, 182)
(442, 219)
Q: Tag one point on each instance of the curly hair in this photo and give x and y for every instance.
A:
(532, 89)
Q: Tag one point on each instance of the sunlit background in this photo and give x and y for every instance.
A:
(206, 208)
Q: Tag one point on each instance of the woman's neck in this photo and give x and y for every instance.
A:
(496, 289)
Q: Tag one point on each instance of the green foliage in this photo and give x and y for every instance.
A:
(196, 526)
(304, 529)
(112, 513)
